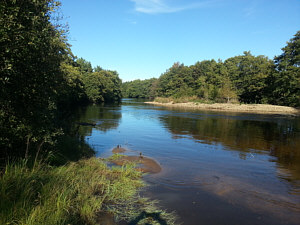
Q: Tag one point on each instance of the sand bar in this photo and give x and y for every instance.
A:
(118, 150)
(248, 108)
(144, 164)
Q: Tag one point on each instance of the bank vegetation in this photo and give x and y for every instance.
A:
(228, 107)
(245, 78)
(47, 172)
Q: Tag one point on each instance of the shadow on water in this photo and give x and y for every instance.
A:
(278, 137)
(70, 149)
(103, 118)
(150, 217)
(86, 118)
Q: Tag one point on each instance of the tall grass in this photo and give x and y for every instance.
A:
(185, 99)
(182, 99)
(76, 193)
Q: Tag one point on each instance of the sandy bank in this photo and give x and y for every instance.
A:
(251, 108)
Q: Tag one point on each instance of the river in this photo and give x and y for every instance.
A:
(217, 167)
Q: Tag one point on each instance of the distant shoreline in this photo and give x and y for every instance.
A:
(228, 107)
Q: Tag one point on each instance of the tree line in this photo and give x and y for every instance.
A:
(245, 78)
(89, 84)
(41, 80)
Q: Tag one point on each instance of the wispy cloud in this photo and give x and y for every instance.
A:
(162, 6)
(250, 11)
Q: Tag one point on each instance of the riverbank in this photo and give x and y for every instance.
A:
(83, 192)
(228, 107)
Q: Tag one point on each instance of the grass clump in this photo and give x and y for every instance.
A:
(163, 100)
(114, 156)
(194, 99)
(76, 193)
(182, 99)
(185, 99)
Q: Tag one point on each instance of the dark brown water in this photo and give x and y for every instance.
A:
(217, 167)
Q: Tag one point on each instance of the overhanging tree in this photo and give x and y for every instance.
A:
(31, 51)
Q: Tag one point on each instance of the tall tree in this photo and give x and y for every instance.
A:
(176, 81)
(206, 78)
(249, 74)
(140, 88)
(31, 51)
(286, 80)
(85, 66)
(103, 86)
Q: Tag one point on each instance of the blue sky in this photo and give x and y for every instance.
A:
(143, 38)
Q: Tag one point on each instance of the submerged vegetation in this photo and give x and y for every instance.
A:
(245, 78)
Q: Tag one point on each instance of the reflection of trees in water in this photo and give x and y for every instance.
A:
(105, 118)
(279, 138)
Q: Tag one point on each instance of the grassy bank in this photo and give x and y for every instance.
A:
(77, 193)
(181, 100)
(194, 103)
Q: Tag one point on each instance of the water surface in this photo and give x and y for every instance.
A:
(217, 167)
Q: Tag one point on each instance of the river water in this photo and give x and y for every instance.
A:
(217, 167)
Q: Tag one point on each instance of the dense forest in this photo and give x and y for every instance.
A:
(41, 80)
(245, 78)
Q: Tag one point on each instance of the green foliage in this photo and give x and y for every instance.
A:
(31, 51)
(183, 99)
(163, 100)
(204, 79)
(103, 86)
(286, 80)
(98, 69)
(177, 81)
(71, 194)
(245, 78)
(40, 79)
(40, 82)
(73, 91)
(84, 66)
(93, 86)
(140, 88)
(98, 85)
(249, 74)
(227, 90)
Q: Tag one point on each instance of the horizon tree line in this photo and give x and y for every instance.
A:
(245, 78)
